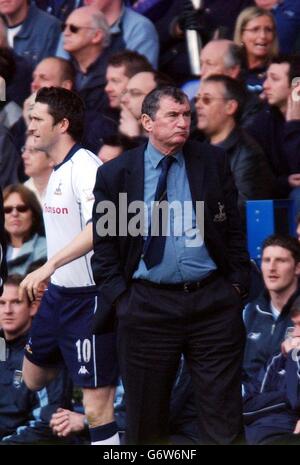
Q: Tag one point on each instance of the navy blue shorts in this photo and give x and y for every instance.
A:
(61, 332)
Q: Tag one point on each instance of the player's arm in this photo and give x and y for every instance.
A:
(79, 246)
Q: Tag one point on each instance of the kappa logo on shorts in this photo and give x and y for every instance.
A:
(83, 370)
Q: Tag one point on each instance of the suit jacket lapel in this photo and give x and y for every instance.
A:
(195, 167)
(134, 182)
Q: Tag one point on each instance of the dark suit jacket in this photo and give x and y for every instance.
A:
(116, 258)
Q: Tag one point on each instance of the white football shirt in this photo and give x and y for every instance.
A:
(67, 209)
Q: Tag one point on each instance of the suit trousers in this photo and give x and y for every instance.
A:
(156, 326)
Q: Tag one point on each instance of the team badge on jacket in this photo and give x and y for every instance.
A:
(221, 215)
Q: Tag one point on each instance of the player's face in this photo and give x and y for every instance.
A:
(15, 314)
(45, 133)
(17, 223)
(279, 269)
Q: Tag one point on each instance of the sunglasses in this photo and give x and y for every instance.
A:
(74, 29)
(19, 208)
(207, 100)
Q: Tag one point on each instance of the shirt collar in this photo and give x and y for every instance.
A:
(155, 156)
(69, 155)
(115, 28)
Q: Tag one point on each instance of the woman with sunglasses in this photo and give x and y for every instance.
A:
(255, 31)
(24, 229)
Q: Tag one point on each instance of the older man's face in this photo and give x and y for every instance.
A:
(85, 31)
(170, 128)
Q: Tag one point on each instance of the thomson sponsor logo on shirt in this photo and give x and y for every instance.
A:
(56, 210)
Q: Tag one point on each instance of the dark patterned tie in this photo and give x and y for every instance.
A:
(154, 246)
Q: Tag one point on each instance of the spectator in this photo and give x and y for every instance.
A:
(18, 89)
(121, 67)
(216, 20)
(256, 31)
(9, 157)
(131, 102)
(277, 127)
(38, 166)
(32, 33)
(219, 106)
(53, 71)
(24, 415)
(225, 57)
(272, 401)
(113, 147)
(86, 37)
(59, 8)
(287, 17)
(23, 226)
(267, 317)
(10, 111)
(129, 29)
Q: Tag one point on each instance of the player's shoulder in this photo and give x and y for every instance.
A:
(84, 156)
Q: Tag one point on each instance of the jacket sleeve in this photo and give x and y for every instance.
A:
(106, 262)
(40, 406)
(239, 263)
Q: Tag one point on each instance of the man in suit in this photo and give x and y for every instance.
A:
(173, 292)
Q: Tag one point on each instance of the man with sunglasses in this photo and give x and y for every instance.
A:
(219, 105)
(61, 331)
(32, 33)
(129, 29)
(86, 37)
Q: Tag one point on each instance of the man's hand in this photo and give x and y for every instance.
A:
(128, 123)
(65, 422)
(297, 428)
(289, 344)
(294, 180)
(293, 106)
(34, 282)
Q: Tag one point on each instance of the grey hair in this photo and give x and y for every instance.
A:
(151, 102)
(100, 22)
(233, 57)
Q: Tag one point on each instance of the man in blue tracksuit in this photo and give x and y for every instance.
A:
(24, 415)
(272, 401)
(267, 317)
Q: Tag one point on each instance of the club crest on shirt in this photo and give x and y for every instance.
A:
(17, 378)
(221, 215)
(58, 189)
